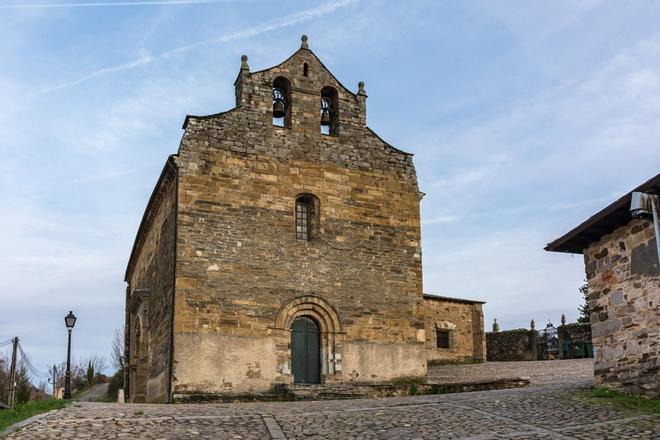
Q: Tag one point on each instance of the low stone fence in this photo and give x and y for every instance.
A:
(575, 341)
(512, 345)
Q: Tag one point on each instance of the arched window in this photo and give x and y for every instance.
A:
(281, 102)
(305, 69)
(307, 217)
(329, 111)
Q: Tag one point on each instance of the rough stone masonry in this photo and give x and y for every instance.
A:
(623, 274)
(272, 252)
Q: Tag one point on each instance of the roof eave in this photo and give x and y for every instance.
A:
(452, 299)
(563, 243)
(170, 166)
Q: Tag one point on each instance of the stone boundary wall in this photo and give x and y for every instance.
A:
(512, 345)
(574, 333)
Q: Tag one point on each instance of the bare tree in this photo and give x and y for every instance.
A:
(117, 354)
(4, 379)
(98, 363)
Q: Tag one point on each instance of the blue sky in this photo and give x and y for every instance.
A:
(524, 117)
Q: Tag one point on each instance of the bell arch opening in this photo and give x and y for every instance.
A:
(282, 102)
(329, 111)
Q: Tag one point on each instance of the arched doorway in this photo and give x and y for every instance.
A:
(305, 350)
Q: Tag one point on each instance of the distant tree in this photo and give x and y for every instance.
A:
(90, 373)
(585, 311)
(116, 383)
(117, 354)
(4, 379)
(23, 385)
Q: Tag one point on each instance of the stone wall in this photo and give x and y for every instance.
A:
(150, 277)
(464, 320)
(624, 296)
(241, 274)
(571, 334)
(512, 345)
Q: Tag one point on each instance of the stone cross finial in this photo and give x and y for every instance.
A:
(361, 90)
(563, 319)
(244, 64)
(496, 326)
(303, 44)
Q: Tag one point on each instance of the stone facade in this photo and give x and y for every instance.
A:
(624, 296)
(462, 321)
(258, 224)
(623, 276)
(220, 233)
(150, 278)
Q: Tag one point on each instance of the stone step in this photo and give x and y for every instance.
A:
(325, 391)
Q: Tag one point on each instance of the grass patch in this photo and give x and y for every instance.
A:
(617, 399)
(26, 410)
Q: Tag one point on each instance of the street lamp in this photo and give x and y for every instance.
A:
(70, 321)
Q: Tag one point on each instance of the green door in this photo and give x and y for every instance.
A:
(305, 351)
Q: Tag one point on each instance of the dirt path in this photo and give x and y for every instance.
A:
(94, 394)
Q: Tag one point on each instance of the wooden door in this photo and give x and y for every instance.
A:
(305, 351)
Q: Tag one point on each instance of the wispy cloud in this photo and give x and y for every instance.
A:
(440, 220)
(116, 174)
(100, 72)
(289, 20)
(110, 4)
(269, 26)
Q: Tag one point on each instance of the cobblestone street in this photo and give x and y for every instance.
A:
(559, 410)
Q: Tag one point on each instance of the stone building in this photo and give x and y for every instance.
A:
(281, 245)
(454, 330)
(623, 276)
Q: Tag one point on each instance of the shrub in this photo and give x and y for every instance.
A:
(116, 383)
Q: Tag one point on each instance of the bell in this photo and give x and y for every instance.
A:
(325, 111)
(325, 116)
(279, 109)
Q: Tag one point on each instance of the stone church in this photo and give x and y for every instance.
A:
(281, 245)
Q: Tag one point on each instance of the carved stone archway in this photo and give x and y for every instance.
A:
(332, 334)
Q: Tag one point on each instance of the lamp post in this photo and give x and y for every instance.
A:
(70, 321)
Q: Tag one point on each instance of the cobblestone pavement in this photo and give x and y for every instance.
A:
(547, 412)
(540, 372)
